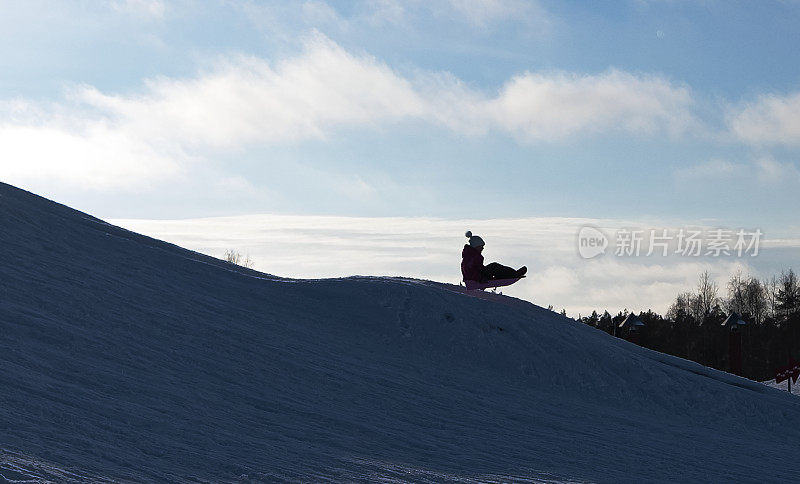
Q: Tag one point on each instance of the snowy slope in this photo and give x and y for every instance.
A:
(126, 358)
(783, 386)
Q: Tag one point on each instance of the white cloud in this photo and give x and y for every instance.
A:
(247, 100)
(542, 107)
(97, 157)
(769, 120)
(108, 140)
(616, 283)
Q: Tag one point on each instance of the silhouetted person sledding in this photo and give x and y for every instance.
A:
(479, 276)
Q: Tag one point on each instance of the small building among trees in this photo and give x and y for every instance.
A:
(631, 327)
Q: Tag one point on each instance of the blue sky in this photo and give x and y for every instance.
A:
(666, 112)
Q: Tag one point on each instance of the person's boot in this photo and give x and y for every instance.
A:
(521, 271)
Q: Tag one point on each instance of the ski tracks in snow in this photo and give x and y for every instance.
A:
(16, 468)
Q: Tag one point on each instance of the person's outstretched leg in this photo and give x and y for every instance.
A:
(498, 271)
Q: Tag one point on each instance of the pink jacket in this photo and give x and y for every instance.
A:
(471, 263)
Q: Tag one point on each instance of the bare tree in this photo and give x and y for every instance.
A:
(771, 294)
(755, 300)
(788, 295)
(235, 257)
(707, 296)
(747, 296)
(737, 288)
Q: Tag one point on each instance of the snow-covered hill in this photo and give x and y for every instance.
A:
(127, 358)
(783, 386)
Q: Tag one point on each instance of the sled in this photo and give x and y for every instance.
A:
(471, 285)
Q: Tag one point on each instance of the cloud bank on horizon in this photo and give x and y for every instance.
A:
(429, 248)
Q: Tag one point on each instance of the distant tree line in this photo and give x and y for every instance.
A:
(692, 327)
